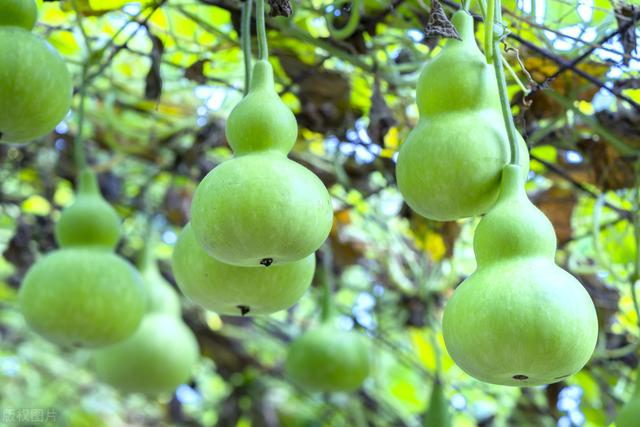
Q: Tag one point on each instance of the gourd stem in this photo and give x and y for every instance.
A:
(246, 42)
(488, 30)
(327, 279)
(502, 91)
(513, 73)
(78, 144)
(466, 5)
(262, 31)
(352, 23)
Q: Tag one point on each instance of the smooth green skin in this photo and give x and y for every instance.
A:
(519, 314)
(630, 412)
(90, 220)
(261, 206)
(224, 288)
(82, 297)
(329, 359)
(18, 13)
(35, 86)
(157, 358)
(161, 298)
(449, 167)
(438, 411)
(261, 121)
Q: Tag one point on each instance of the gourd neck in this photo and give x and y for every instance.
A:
(262, 77)
(88, 183)
(463, 22)
(512, 186)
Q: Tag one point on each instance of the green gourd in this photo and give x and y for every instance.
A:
(18, 13)
(35, 85)
(83, 294)
(449, 167)
(157, 358)
(82, 297)
(260, 208)
(232, 290)
(437, 414)
(161, 298)
(629, 415)
(329, 359)
(519, 319)
(89, 220)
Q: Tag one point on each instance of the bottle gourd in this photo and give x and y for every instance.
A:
(83, 294)
(232, 290)
(35, 85)
(519, 319)
(260, 208)
(327, 358)
(437, 414)
(449, 167)
(163, 351)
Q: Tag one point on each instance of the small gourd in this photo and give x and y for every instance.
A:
(157, 358)
(630, 412)
(83, 294)
(260, 208)
(232, 290)
(449, 167)
(519, 319)
(328, 358)
(89, 220)
(437, 414)
(35, 85)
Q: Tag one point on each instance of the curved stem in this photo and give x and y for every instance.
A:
(352, 23)
(513, 73)
(466, 4)
(263, 51)
(246, 42)
(488, 30)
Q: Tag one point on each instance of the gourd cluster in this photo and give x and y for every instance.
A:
(35, 85)
(519, 319)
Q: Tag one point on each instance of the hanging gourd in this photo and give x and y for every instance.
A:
(519, 319)
(260, 208)
(83, 294)
(163, 351)
(327, 358)
(630, 412)
(232, 290)
(35, 85)
(449, 167)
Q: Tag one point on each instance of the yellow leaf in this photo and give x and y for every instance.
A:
(36, 205)
(391, 141)
(65, 42)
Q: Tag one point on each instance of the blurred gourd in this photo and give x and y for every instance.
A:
(629, 415)
(327, 358)
(162, 353)
(437, 414)
(232, 290)
(260, 208)
(35, 85)
(83, 294)
(157, 358)
(519, 319)
(449, 167)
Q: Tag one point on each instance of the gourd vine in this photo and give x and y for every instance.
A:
(352, 23)
(263, 47)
